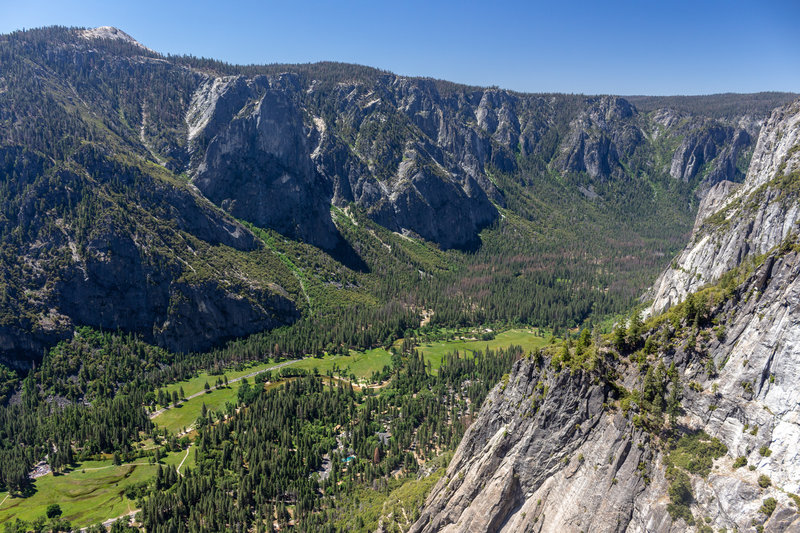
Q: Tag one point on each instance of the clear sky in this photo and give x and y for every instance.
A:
(600, 46)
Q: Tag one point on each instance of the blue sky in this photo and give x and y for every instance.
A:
(623, 47)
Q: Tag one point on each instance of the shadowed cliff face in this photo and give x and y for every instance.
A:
(559, 450)
(265, 158)
(257, 164)
(127, 274)
(117, 249)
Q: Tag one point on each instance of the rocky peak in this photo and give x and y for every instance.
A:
(668, 117)
(110, 32)
(605, 110)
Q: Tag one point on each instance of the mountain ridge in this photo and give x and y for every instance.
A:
(448, 165)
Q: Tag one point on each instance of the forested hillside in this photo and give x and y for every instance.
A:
(190, 201)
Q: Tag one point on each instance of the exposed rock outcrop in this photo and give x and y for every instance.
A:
(536, 458)
(748, 222)
(600, 137)
(549, 452)
(277, 152)
(112, 33)
(256, 162)
(715, 149)
(413, 164)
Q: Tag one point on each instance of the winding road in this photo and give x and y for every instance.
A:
(178, 469)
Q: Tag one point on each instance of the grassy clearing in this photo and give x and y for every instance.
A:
(362, 364)
(177, 418)
(174, 459)
(528, 339)
(92, 492)
(196, 384)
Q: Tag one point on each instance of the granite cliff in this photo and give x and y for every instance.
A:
(277, 150)
(688, 421)
(736, 222)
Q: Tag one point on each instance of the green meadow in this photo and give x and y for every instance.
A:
(92, 492)
(528, 339)
(196, 384)
(362, 364)
(184, 415)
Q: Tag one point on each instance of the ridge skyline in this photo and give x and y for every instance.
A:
(617, 48)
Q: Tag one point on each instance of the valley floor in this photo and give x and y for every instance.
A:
(91, 492)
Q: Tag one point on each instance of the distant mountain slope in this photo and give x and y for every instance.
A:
(94, 231)
(723, 106)
(127, 176)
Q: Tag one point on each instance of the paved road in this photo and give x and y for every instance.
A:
(234, 380)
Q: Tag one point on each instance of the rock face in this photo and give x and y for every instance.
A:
(277, 151)
(114, 283)
(600, 137)
(701, 148)
(536, 458)
(264, 156)
(256, 162)
(756, 217)
(546, 453)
